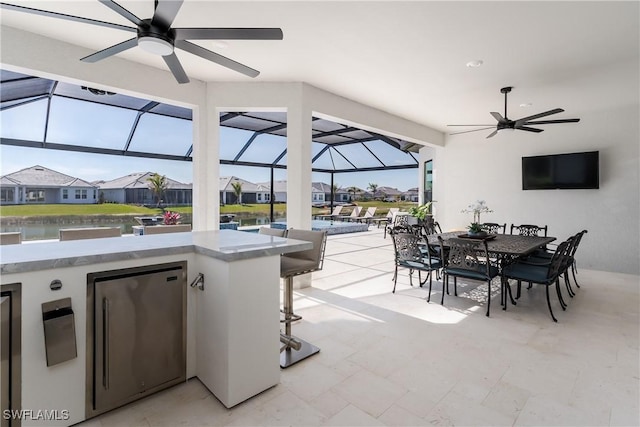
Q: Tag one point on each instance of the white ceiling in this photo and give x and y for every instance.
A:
(406, 58)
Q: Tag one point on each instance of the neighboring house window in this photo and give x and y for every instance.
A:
(94, 194)
(34, 195)
(65, 193)
(267, 197)
(81, 194)
(6, 195)
(259, 197)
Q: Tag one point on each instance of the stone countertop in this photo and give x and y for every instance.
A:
(226, 245)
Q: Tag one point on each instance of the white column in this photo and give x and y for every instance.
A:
(206, 166)
(299, 165)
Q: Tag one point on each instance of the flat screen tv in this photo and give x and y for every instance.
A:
(561, 171)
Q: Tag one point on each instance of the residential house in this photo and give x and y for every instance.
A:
(38, 184)
(388, 194)
(134, 188)
(251, 193)
(324, 189)
(411, 195)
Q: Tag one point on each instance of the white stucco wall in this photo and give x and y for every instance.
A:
(471, 167)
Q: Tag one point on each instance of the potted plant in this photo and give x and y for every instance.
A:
(421, 212)
(475, 229)
(171, 218)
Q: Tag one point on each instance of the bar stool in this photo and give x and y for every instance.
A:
(291, 265)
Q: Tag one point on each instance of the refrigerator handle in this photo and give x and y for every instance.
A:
(105, 343)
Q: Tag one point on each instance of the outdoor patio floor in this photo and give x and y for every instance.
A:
(394, 359)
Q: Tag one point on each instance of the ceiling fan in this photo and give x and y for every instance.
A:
(520, 124)
(155, 35)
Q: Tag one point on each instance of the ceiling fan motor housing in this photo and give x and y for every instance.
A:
(155, 39)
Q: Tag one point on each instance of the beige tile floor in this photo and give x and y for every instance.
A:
(396, 360)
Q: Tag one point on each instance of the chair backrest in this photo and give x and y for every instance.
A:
(316, 254)
(11, 238)
(430, 227)
(370, 212)
(494, 228)
(529, 230)
(355, 213)
(162, 229)
(558, 261)
(578, 239)
(89, 233)
(277, 232)
(467, 254)
(392, 212)
(336, 210)
(406, 247)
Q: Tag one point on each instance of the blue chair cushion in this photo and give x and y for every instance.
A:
(424, 265)
(470, 274)
(527, 273)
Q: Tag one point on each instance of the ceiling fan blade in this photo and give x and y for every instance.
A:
(528, 129)
(492, 134)
(498, 117)
(537, 116)
(214, 57)
(110, 51)
(121, 11)
(166, 11)
(474, 125)
(548, 122)
(475, 130)
(228, 33)
(176, 68)
(67, 17)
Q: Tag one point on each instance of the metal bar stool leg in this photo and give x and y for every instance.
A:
(294, 349)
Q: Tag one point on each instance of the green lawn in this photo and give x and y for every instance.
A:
(61, 210)
(120, 209)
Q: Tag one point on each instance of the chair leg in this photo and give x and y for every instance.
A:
(455, 286)
(567, 283)
(518, 289)
(488, 297)
(574, 271)
(411, 276)
(562, 303)
(429, 294)
(395, 280)
(549, 305)
(445, 284)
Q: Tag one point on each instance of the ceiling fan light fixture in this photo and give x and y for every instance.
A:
(155, 46)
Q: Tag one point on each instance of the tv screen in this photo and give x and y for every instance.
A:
(561, 171)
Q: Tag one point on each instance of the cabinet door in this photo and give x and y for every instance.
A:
(139, 341)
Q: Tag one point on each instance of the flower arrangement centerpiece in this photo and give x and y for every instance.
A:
(477, 208)
(171, 218)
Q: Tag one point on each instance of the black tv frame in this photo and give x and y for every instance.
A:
(590, 179)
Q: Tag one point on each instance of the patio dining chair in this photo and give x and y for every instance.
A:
(408, 255)
(529, 230)
(468, 259)
(494, 228)
(547, 273)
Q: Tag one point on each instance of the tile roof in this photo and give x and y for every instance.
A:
(139, 180)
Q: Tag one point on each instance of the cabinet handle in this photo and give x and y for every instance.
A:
(105, 343)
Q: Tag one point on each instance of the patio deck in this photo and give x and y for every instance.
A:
(394, 359)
